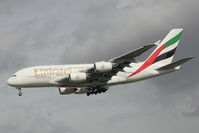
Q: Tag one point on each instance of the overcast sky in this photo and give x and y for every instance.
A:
(42, 32)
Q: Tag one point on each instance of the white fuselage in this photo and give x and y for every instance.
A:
(45, 76)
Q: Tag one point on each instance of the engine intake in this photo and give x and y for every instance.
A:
(103, 66)
(77, 77)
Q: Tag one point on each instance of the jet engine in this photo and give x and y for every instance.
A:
(81, 90)
(70, 90)
(103, 66)
(66, 90)
(77, 77)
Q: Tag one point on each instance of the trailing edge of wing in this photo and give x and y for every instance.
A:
(132, 54)
(175, 64)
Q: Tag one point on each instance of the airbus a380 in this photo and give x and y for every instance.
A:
(98, 77)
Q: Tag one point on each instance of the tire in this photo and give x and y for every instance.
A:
(20, 93)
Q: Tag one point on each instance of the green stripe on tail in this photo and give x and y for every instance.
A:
(173, 40)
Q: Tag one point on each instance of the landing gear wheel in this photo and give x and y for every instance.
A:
(20, 93)
(87, 93)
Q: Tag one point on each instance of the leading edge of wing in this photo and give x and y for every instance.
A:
(132, 54)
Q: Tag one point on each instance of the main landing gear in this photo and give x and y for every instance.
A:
(19, 93)
(97, 90)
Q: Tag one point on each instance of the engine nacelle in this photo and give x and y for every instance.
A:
(77, 77)
(103, 66)
(81, 90)
(66, 90)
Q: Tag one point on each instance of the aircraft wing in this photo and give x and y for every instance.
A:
(61, 81)
(118, 64)
(131, 55)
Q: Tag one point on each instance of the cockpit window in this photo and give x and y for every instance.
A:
(14, 75)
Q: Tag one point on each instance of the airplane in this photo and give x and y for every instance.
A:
(96, 78)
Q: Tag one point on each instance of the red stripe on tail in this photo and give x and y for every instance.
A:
(149, 61)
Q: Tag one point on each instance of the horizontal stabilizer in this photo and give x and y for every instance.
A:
(175, 64)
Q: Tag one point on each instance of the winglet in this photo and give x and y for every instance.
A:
(158, 42)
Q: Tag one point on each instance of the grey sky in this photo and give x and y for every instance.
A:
(35, 32)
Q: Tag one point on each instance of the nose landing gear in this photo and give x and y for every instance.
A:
(19, 93)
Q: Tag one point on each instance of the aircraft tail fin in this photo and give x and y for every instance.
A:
(167, 47)
(164, 53)
(175, 64)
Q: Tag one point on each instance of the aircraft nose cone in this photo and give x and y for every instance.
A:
(10, 82)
